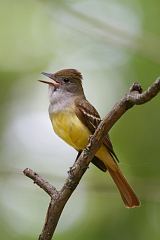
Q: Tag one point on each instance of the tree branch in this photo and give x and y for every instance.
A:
(60, 198)
(46, 186)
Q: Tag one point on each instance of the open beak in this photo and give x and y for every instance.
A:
(51, 76)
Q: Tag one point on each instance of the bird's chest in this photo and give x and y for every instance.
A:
(68, 127)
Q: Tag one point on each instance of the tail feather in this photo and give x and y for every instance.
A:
(129, 197)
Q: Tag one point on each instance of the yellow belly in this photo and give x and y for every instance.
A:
(68, 127)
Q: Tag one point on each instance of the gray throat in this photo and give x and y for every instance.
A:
(60, 101)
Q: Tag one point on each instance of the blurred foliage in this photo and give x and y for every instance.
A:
(113, 43)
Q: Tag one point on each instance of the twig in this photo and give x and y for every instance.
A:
(60, 198)
(46, 186)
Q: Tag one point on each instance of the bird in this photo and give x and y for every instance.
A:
(74, 119)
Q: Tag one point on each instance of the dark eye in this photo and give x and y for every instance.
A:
(66, 80)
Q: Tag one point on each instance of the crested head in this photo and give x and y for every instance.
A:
(69, 73)
(69, 80)
(64, 84)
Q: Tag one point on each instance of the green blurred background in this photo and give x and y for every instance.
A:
(113, 43)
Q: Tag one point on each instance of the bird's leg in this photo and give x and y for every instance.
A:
(79, 153)
(71, 168)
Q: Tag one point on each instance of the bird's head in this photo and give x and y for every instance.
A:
(66, 80)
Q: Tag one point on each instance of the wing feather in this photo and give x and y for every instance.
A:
(90, 117)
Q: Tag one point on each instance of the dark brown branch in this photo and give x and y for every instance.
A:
(60, 198)
(148, 94)
(46, 186)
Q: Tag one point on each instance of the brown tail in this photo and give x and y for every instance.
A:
(129, 197)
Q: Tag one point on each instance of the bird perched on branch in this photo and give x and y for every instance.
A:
(74, 119)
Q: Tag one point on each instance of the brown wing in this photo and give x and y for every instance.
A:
(90, 117)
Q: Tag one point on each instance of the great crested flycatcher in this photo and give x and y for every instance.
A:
(74, 119)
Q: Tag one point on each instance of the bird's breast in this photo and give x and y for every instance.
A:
(67, 126)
